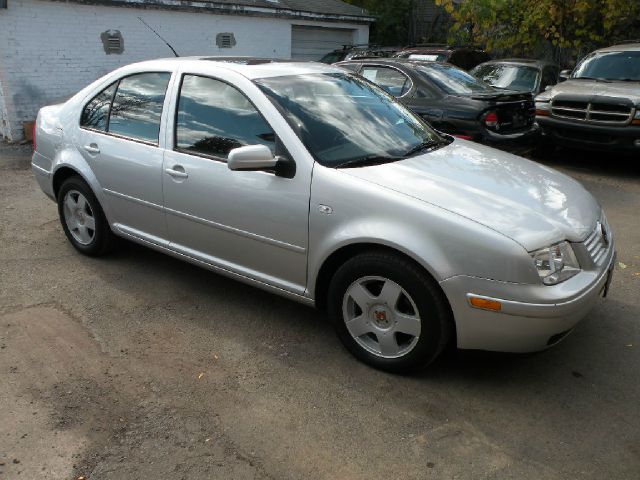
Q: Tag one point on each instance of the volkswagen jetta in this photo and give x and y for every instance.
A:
(311, 182)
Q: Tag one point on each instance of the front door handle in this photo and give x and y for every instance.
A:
(176, 172)
(92, 149)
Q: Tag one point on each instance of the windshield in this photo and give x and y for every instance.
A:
(513, 77)
(342, 118)
(624, 66)
(453, 80)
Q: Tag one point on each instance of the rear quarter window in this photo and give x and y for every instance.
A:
(95, 114)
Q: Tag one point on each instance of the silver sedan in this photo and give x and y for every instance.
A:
(312, 183)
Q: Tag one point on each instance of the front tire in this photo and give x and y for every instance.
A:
(83, 219)
(388, 312)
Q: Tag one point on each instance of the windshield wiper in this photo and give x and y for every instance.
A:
(367, 161)
(425, 146)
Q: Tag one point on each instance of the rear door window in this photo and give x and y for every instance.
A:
(137, 106)
(215, 117)
(95, 114)
(389, 79)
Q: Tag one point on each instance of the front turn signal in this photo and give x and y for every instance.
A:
(486, 304)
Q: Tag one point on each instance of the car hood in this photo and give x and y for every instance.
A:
(534, 205)
(590, 89)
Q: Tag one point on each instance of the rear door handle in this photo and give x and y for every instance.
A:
(92, 148)
(176, 172)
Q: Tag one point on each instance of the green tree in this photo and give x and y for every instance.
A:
(393, 20)
(565, 28)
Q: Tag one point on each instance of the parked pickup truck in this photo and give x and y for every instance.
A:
(598, 107)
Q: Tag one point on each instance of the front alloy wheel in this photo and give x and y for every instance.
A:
(381, 317)
(389, 312)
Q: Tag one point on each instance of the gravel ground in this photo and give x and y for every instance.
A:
(140, 366)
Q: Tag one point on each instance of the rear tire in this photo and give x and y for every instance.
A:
(83, 219)
(388, 312)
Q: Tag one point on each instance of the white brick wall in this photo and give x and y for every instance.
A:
(49, 50)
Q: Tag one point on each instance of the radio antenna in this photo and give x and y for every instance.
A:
(158, 35)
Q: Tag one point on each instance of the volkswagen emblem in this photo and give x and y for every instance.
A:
(381, 315)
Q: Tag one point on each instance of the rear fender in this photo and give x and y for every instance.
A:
(69, 158)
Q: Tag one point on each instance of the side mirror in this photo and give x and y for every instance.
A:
(564, 75)
(251, 158)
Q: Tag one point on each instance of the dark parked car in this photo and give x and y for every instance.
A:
(598, 107)
(463, 56)
(349, 52)
(453, 101)
(519, 74)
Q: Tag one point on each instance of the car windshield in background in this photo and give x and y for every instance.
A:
(453, 80)
(512, 77)
(623, 66)
(343, 120)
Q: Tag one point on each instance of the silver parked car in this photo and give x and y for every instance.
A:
(310, 182)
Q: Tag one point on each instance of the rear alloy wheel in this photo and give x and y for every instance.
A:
(388, 312)
(82, 218)
(79, 217)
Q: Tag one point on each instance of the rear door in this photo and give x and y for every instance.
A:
(119, 138)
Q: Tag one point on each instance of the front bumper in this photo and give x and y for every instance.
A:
(532, 318)
(588, 136)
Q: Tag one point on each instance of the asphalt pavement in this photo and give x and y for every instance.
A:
(137, 365)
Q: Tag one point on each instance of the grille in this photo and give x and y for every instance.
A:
(595, 112)
(597, 243)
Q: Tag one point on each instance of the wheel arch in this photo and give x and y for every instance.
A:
(61, 174)
(69, 166)
(344, 253)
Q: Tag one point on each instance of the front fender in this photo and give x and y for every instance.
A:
(443, 243)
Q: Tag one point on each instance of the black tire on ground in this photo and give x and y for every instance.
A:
(437, 325)
(103, 239)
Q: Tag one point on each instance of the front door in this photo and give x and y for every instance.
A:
(253, 223)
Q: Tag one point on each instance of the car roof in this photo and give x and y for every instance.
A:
(622, 47)
(250, 67)
(441, 48)
(521, 61)
(409, 62)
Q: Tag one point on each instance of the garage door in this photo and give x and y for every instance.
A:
(312, 43)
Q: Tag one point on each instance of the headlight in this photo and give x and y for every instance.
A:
(556, 263)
